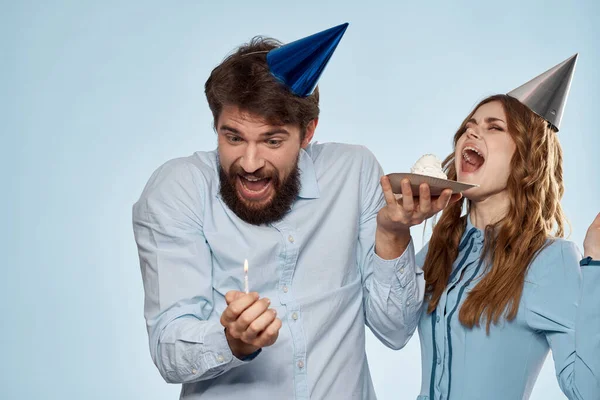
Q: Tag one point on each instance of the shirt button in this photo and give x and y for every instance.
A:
(295, 316)
(194, 371)
(474, 250)
(291, 239)
(437, 319)
(408, 303)
(402, 270)
(220, 358)
(439, 361)
(285, 289)
(300, 364)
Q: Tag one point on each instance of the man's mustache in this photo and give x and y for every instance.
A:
(237, 170)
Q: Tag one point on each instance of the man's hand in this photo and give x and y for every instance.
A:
(249, 323)
(591, 243)
(395, 219)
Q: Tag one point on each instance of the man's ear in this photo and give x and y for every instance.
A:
(310, 132)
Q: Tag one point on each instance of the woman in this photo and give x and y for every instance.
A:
(502, 286)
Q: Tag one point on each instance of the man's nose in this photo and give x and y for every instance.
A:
(252, 161)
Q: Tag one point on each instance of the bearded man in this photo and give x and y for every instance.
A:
(305, 217)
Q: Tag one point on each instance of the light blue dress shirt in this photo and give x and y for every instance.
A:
(559, 311)
(317, 265)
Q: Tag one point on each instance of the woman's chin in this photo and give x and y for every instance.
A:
(472, 193)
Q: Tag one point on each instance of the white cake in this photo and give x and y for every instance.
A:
(429, 165)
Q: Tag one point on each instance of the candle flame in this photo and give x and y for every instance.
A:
(245, 265)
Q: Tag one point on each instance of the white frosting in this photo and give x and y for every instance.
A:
(429, 165)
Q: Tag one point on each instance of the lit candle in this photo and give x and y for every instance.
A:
(246, 276)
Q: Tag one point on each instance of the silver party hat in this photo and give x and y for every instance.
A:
(547, 93)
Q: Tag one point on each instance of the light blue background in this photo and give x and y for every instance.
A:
(96, 95)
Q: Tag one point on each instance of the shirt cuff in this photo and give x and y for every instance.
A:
(252, 356)
(401, 268)
(219, 355)
(589, 261)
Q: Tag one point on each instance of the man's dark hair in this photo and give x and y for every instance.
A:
(243, 79)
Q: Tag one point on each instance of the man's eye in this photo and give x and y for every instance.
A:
(273, 142)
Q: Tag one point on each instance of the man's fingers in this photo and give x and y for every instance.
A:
(237, 307)
(250, 314)
(388, 194)
(424, 199)
(258, 325)
(443, 200)
(407, 196)
(455, 197)
(269, 335)
(233, 295)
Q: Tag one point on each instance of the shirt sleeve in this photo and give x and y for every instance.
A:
(564, 305)
(421, 255)
(176, 264)
(392, 289)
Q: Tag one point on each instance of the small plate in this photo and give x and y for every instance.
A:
(436, 185)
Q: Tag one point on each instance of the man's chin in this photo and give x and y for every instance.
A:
(255, 205)
(254, 208)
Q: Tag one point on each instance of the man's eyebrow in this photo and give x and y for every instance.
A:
(276, 132)
(273, 132)
(230, 129)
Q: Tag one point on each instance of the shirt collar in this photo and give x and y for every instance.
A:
(309, 188)
(471, 232)
(471, 226)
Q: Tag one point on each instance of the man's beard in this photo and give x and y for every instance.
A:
(281, 203)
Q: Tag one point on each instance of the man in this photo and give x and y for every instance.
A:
(303, 215)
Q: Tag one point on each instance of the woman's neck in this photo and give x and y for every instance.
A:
(490, 210)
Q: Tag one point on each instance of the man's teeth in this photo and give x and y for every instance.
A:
(252, 179)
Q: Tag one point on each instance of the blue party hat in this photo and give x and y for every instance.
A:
(299, 65)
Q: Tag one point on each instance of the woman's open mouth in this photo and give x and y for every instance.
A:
(472, 159)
